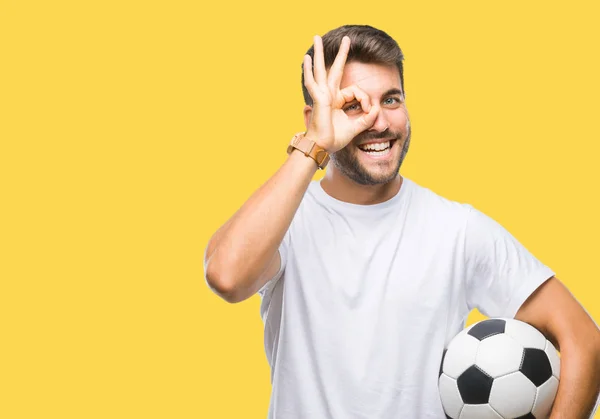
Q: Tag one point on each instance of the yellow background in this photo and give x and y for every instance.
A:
(131, 130)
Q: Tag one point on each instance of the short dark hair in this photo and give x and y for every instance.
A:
(368, 45)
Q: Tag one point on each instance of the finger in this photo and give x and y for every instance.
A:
(366, 120)
(319, 67)
(337, 68)
(309, 80)
(353, 91)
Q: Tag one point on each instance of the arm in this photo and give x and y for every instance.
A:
(555, 312)
(243, 254)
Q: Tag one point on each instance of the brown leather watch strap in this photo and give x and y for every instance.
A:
(310, 149)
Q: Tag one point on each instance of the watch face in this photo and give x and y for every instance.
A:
(322, 157)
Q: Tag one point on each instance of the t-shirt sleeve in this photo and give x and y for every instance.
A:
(283, 253)
(501, 272)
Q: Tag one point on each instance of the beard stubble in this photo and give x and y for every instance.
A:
(348, 163)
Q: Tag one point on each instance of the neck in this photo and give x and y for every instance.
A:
(343, 189)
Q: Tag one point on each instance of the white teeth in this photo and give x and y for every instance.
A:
(375, 146)
(378, 153)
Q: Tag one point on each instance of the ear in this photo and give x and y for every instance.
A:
(307, 115)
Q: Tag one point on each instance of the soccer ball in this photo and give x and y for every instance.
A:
(499, 368)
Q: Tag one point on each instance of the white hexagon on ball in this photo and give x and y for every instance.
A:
(460, 355)
(546, 393)
(451, 401)
(479, 411)
(487, 355)
(524, 333)
(512, 395)
(554, 358)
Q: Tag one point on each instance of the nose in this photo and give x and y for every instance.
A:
(381, 123)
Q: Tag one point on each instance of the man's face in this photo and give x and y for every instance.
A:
(389, 137)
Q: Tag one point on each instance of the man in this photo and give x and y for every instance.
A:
(365, 276)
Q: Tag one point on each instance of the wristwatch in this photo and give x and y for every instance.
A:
(310, 149)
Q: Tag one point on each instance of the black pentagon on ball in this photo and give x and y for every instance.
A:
(536, 366)
(487, 328)
(474, 386)
(527, 416)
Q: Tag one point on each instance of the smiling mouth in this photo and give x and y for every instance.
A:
(377, 149)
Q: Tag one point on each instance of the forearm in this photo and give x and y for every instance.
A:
(241, 250)
(579, 385)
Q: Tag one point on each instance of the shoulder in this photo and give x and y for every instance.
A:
(425, 199)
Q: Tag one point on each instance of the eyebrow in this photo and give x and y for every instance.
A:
(393, 91)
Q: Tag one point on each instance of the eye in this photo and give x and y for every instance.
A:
(352, 107)
(392, 101)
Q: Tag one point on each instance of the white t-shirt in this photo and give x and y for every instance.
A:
(368, 296)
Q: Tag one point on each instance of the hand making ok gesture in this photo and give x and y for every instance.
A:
(330, 127)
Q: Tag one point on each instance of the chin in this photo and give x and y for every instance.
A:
(382, 178)
(365, 171)
(370, 177)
